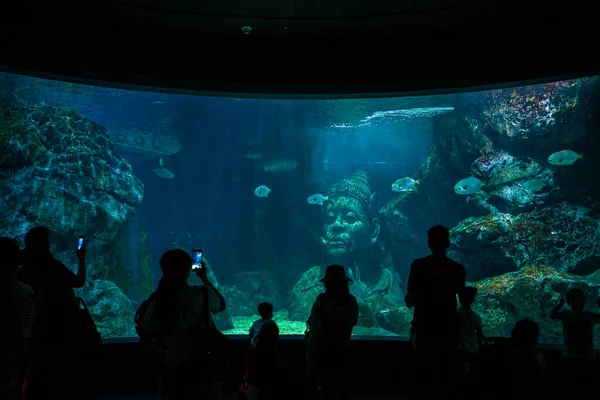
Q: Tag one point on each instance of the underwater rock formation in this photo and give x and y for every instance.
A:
(529, 293)
(558, 236)
(543, 115)
(250, 288)
(113, 312)
(508, 225)
(533, 224)
(58, 169)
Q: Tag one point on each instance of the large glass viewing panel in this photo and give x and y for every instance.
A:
(273, 191)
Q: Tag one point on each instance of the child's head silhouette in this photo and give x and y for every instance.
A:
(524, 335)
(265, 310)
(467, 296)
(576, 299)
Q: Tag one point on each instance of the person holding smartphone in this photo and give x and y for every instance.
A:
(56, 364)
(178, 312)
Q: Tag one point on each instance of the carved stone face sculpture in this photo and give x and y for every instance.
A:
(348, 227)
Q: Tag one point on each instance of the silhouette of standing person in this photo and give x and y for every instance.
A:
(329, 329)
(433, 284)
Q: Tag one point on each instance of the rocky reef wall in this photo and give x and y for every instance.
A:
(523, 248)
(58, 169)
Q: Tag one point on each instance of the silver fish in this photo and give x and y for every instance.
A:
(262, 191)
(280, 166)
(162, 171)
(534, 185)
(317, 199)
(405, 185)
(564, 157)
(468, 185)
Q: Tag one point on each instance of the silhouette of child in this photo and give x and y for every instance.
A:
(471, 329)
(264, 365)
(265, 310)
(526, 368)
(578, 334)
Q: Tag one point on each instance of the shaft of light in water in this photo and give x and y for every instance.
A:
(369, 162)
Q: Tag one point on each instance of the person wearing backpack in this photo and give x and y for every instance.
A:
(182, 315)
(17, 311)
(154, 344)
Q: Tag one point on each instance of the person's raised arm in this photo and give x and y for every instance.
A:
(216, 299)
(81, 275)
(555, 313)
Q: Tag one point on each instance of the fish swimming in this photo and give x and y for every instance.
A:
(280, 166)
(534, 185)
(317, 198)
(405, 185)
(564, 157)
(163, 172)
(252, 155)
(468, 185)
(262, 191)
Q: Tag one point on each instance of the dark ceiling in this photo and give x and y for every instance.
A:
(300, 47)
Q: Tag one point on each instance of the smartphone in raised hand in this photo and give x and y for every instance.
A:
(197, 255)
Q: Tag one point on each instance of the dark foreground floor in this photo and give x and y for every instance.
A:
(357, 397)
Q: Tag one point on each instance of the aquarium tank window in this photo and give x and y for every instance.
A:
(273, 191)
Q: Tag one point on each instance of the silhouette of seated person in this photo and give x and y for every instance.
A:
(18, 314)
(433, 284)
(351, 237)
(265, 377)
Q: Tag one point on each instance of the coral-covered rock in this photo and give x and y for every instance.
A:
(547, 114)
(507, 178)
(497, 167)
(528, 293)
(250, 288)
(558, 236)
(112, 311)
(58, 169)
(396, 320)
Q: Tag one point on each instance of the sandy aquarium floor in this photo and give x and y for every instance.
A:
(286, 327)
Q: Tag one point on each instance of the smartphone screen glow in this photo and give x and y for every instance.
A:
(196, 259)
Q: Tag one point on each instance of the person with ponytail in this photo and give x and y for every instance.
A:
(177, 312)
